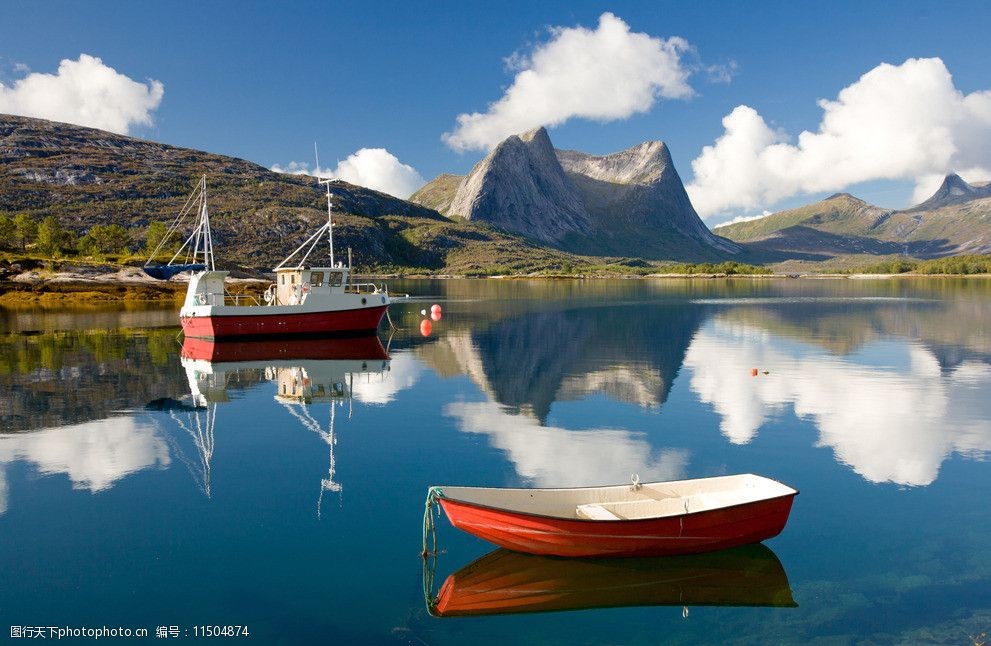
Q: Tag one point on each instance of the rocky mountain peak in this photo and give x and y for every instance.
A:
(627, 203)
(520, 186)
(538, 135)
(644, 163)
(954, 189)
(844, 197)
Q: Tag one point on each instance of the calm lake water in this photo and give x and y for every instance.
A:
(281, 487)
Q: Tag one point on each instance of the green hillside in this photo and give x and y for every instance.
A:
(438, 193)
(947, 224)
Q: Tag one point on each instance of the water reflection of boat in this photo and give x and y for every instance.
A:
(506, 582)
(367, 347)
(307, 369)
(305, 372)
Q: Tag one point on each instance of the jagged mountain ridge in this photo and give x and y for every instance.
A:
(86, 176)
(955, 220)
(630, 203)
(638, 192)
(954, 190)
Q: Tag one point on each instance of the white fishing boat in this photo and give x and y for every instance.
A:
(304, 299)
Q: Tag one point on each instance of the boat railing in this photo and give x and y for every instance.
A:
(240, 299)
(367, 288)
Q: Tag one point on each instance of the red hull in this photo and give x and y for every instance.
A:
(692, 533)
(365, 319)
(357, 348)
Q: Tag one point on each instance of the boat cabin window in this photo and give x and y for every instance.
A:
(316, 279)
(283, 277)
(335, 278)
(292, 278)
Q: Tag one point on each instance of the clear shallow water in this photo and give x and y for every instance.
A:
(141, 489)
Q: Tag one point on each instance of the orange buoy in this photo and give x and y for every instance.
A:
(435, 315)
(426, 327)
(435, 309)
(753, 372)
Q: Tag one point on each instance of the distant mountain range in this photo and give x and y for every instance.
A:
(955, 220)
(525, 207)
(629, 203)
(86, 177)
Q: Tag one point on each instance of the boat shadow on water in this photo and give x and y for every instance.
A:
(507, 582)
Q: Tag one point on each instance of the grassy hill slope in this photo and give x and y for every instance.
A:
(87, 177)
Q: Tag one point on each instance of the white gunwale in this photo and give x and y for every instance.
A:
(648, 501)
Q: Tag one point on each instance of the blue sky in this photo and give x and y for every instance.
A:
(263, 81)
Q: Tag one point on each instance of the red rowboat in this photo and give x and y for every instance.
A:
(649, 519)
(505, 582)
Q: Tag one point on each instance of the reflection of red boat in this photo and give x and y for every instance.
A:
(505, 582)
(217, 351)
(656, 519)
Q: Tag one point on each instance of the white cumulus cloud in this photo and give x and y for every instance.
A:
(85, 92)
(898, 122)
(374, 168)
(603, 74)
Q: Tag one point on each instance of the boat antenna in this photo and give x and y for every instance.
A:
(330, 221)
(330, 217)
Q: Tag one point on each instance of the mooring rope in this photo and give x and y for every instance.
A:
(434, 494)
(429, 566)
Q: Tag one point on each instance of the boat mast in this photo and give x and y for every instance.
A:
(203, 238)
(207, 233)
(330, 220)
(330, 217)
(311, 243)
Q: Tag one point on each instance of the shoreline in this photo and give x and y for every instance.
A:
(64, 288)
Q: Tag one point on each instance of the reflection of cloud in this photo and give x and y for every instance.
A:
(3, 490)
(557, 457)
(893, 423)
(382, 387)
(94, 455)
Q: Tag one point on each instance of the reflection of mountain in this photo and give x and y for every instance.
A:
(529, 361)
(952, 329)
(557, 457)
(891, 373)
(889, 411)
(94, 455)
(505, 582)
